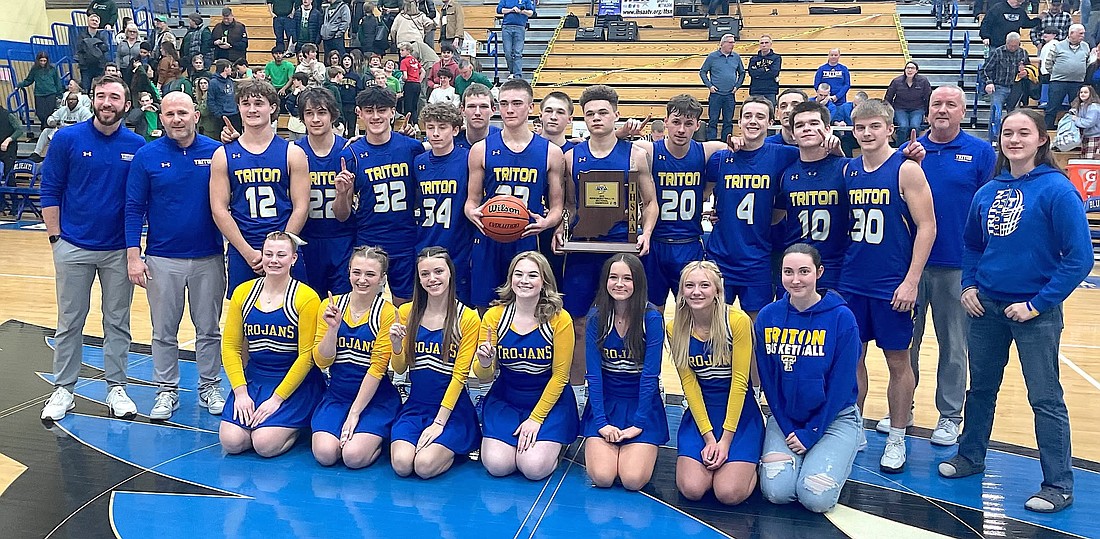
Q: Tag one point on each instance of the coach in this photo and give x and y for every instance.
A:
(183, 251)
(723, 73)
(83, 196)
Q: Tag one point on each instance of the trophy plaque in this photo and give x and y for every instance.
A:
(605, 198)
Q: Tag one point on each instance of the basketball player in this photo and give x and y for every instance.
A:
(382, 165)
(83, 199)
(887, 196)
(329, 234)
(169, 187)
(441, 188)
(478, 107)
(512, 162)
(555, 113)
(787, 100)
(259, 183)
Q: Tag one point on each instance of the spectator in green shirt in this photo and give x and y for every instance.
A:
(467, 75)
(10, 133)
(107, 11)
(47, 86)
(278, 71)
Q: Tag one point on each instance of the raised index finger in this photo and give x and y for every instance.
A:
(227, 122)
(912, 136)
(343, 168)
(647, 119)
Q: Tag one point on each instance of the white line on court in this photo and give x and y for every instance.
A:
(1086, 346)
(19, 276)
(1079, 371)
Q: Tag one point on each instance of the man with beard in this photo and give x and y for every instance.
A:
(787, 100)
(183, 251)
(83, 199)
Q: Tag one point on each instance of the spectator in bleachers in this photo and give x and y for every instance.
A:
(241, 71)
(208, 124)
(411, 26)
(1026, 88)
(145, 119)
(294, 124)
(657, 130)
(107, 11)
(837, 75)
(335, 76)
(335, 26)
(69, 113)
(1004, 18)
(411, 74)
(908, 94)
(197, 69)
(444, 92)
(142, 80)
(513, 29)
(47, 86)
(220, 100)
(111, 69)
(279, 71)
(722, 73)
(311, 66)
(466, 76)
(10, 133)
(198, 39)
(1045, 50)
(162, 34)
(718, 7)
(1000, 71)
(76, 88)
(453, 20)
(349, 88)
(843, 118)
(1086, 116)
(168, 66)
(307, 24)
(824, 96)
(763, 69)
(787, 100)
(446, 61)
(1055, 17)
(373, 35)
(120, 34)
(91, 50)
(230, 37)
(180, 83)
(427, 7)
(128, 50)
(1067, 65)
(281, 23)
(332, 58)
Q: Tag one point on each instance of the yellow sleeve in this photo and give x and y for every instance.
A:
(564, 341)
(233, 337)
(694, 395)
(491, 320)
(383, 348)
(319, 335)
(399, 362)
(741, 327)
(306, 302)
(470, 326)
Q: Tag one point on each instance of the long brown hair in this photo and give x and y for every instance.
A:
(550, 302)
(1044, 155)
(420, 304)
(1093, 99)
(636, 306)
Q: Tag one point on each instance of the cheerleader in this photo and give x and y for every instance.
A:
(711, 344)
(271, 322)
(528, 338)
(624, 420)
(361, 403)
(438, 421)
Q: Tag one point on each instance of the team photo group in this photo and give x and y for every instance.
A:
(809, 257)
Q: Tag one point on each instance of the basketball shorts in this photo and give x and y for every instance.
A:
(879, 322)
(489, 261)
(663, 264)
(326, 262)
(752, 297)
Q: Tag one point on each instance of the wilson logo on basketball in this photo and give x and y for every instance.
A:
(503, 208)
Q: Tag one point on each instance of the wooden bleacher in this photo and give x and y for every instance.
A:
(666, 59)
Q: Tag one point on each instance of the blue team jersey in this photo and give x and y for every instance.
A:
(680, 186)
(618, 159)
(259, 189)
(462, 142)
(523, 175)
(882, 230)
(441, 189)
(386, 191)
(322, 222)
(814, 195)
(746, 184)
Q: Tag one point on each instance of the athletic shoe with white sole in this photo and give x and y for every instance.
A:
(59, 403)
(166, 403)
(211, 398)
(119, 403)
(946, 433)
(883, 425)
(893, 457)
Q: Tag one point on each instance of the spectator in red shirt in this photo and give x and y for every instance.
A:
(446, 61)
(411, 73)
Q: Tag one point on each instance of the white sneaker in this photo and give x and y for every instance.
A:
(211, 398)
(883, 425)
(166, 403)
(59, 403)
(119, 403)
(946, 433)
(893, 458)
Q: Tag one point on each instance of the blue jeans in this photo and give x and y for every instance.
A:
(284, 31)
(513, 35)
(1056, 96)
(720, 106)
(907, 120)
(1086, 10)
(1037, 342)
(815, 478)
(335, 44)
(996, 110)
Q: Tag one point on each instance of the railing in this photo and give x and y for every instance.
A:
(492, 46)
(966, 54)
(954, 8)
(979, 88)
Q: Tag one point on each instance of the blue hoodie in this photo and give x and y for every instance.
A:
(1027, 239)
(807, 362)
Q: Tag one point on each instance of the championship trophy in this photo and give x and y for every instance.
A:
(605, 198)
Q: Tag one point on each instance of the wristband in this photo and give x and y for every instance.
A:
(1031, 309)
(438, 422)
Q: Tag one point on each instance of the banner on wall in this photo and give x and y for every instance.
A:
(610, 7)
(647, 8)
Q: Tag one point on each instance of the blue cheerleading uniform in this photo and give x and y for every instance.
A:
(582, 270)
(676, 238)
(525, 176)
(362, 349)
(279, 345)
(441, 190)
(329, 241)
(623, 391)
(384, 217)
(816, 201)
(719, 395)
(440, 382)
(534, 370)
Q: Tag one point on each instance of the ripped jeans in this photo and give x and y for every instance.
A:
(816, 478)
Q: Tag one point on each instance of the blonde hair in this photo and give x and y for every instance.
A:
(372, 253)
(550, 302)
(679, 339)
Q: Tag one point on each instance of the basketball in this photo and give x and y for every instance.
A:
(504, 217)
